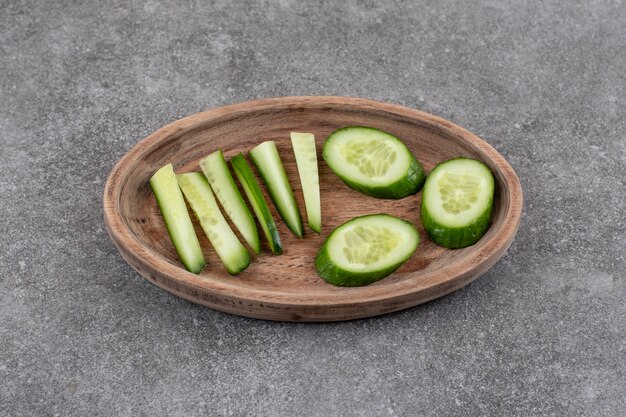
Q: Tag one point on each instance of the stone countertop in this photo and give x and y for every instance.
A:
(542, 333)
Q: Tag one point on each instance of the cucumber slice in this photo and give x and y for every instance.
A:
(198, 193)
(306, 158)
(177, 220)
(265, 157)
(257, 201)
(373, 162)
(366, 249)
(223, 185)
(457, 201)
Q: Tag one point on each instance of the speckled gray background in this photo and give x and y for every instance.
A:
(542, 333)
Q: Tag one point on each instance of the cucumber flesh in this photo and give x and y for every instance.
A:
(177, 220)
(198, 193)
(373, 162)
(306, 158)
(457, 202)
(257, 201)
(366, 249)
(223, 185)
(265, 157)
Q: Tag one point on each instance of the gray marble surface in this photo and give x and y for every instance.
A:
(542, 333)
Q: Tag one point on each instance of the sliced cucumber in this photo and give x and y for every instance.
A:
(177, 220)
(198, 193)
(216, 171)
(457, 201)
(265, 157)
(373, 162)
(366, 249)
(306, 158)
(257, 201)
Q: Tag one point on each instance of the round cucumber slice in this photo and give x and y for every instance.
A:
(373, 162)
(457, 201)
(366, 249)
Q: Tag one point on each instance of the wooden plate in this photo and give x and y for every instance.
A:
(286, 287)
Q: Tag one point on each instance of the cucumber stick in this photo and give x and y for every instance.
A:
(366, 249)
(257, 201)
(265, 157)
(177, 220)
(457, 201)
(198, 193)
(373, 162)
(306, 158)
(223, 185)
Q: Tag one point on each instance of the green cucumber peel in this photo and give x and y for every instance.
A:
(267, 161)
(223, 185)
(306, 159)
(229, 249)
(176, 217)
(255, 196)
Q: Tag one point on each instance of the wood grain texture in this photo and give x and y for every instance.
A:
(286, 287)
